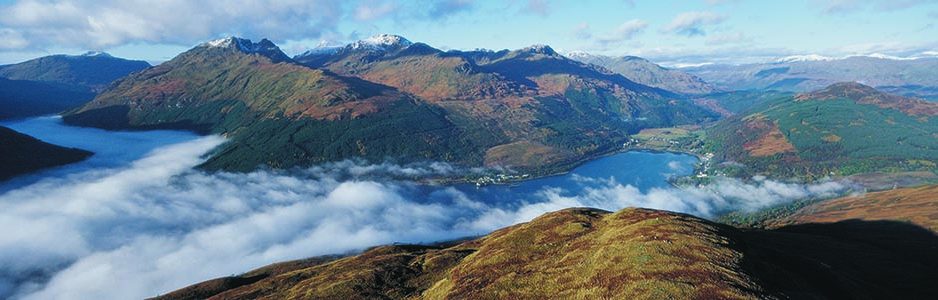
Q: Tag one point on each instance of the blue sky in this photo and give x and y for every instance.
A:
(668, 31)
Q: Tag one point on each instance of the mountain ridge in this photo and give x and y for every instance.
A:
(491, 114)
(590, 253)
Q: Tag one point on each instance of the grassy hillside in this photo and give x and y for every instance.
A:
(20, 154)
(26, 98)
(633, 253)
(841, 130)
(916, 205)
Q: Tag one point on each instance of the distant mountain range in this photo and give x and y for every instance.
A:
(648, 73)
(908, 77)
(388, 98)
(22, 154)
(583, 253)
(92, 71)
(843, 129)
(53, 84)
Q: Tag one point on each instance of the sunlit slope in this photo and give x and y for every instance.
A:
(917, 205)
(530, 109)
(274, 112)
(844, 129)
(634, 253)
(533, 107)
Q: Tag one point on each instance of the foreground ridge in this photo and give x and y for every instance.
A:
(634, 253)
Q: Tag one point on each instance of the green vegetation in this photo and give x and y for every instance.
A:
(538, 113)
(813, 138)
(23, 154)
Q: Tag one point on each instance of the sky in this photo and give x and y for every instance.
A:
(671, 32)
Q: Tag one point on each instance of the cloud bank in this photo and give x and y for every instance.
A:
(156, 225)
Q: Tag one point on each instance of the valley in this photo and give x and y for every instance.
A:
(488, 150)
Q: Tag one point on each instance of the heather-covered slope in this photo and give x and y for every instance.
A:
(648, 73)
(844, 129)
(916, 205)
(92, 71)
(532, 107)
(633, 253)
(274, 112)
(387, 98)
(20, 154)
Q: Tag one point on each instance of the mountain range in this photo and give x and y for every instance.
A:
(388, 98)
(648, 73)
(55, 83)
(908, 77)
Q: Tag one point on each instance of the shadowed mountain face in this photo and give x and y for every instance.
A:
(53, 84)
(23, 154)
(26, 98)
(92, 71)
(386, 97)
(587, 253)
(648, 73)
(844, 129)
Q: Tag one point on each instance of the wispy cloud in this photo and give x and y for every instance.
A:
(447, 8)
(373, 10)
(97, 24)
(693, 23)
(537, 7)
(626, 31)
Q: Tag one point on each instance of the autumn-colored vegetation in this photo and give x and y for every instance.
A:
(634, 253)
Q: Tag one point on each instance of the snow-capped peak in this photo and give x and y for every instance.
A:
(807, 57)
(578, 54)
(884, 56)
(323, 48)
(381, 42)
(96, 54)
(222, 43)
(264, 47)
(540, 49)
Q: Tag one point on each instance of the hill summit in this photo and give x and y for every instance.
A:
(582, 253)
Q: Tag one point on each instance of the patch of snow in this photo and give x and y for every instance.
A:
(245, 45)
(96, 54)
(221, 43)
(381, 42)
(578, 54)
(807, 57)
(678, 65)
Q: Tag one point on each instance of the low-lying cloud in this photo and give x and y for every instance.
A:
(157, 225)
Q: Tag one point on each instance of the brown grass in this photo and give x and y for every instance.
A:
(918, 205)
(773, 141)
